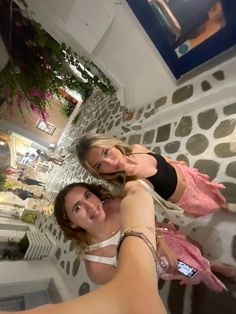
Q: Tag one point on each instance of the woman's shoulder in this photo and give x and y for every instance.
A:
(137, 148)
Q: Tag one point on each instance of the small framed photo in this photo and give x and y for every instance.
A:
(46, 127)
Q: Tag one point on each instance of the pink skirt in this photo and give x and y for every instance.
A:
(201, 196)
(191, 255)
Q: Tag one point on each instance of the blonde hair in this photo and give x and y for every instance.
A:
(79, 235)
(87, 141)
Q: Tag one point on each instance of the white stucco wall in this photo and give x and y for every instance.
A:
(127, 51)
(17, 277)
(15, 224)
(108, 32)
(13, 229)
(11, 235)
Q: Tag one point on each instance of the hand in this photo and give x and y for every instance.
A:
(165, 250)
(183, 162)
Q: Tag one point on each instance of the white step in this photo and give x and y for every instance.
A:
(41, 245)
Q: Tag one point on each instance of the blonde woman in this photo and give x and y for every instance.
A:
(115, 161)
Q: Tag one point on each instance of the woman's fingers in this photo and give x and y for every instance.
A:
(167, 252)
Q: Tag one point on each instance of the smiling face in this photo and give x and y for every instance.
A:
(106, 160)
(84, 209)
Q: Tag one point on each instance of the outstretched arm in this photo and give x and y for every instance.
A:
(134, 288)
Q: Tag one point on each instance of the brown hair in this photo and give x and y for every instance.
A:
(87, 141)
(80, 235)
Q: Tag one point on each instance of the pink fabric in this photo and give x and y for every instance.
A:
(201, 196)
(191, 255)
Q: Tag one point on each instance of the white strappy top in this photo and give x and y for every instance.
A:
(165, 208)
(103, 259)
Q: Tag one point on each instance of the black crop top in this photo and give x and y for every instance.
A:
(165, 180)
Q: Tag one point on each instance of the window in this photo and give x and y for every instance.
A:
(46, 127)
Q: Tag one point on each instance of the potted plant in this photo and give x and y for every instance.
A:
(15, 250)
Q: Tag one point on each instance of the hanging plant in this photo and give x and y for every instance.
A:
(36, 67)
(68, 108)
(15, 250)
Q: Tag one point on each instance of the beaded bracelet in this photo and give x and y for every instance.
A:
(141, 236)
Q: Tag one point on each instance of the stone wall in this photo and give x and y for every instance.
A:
(195, 123)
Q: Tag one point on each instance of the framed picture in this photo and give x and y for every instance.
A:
(46, 127)
(187, 33)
